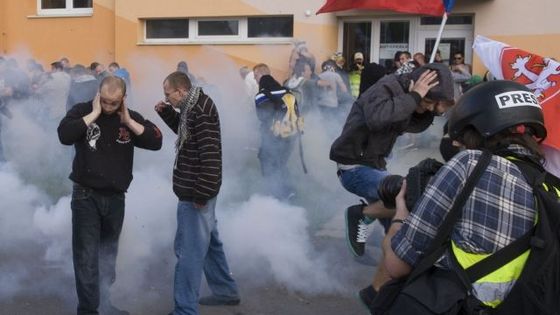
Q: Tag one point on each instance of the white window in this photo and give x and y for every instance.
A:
(64, 7)
(167, 30)
(219, 30)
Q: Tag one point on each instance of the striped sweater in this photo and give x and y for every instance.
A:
(197, 176)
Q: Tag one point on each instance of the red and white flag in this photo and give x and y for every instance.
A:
(540, 74)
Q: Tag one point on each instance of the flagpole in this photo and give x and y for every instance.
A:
(434, 50)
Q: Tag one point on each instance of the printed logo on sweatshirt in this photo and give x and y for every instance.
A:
(124, 136)
(92, 135)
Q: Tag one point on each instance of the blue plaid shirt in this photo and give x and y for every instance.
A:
(500, 209)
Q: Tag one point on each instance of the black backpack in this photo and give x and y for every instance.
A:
(286, 121)
(537, 291)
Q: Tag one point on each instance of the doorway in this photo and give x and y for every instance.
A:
(356, 37)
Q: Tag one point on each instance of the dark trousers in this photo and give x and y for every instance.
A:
(96, 225)
(274, 154)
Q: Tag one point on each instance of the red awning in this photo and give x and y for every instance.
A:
(426, 7)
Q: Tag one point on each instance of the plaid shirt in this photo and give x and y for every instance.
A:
(500, 209)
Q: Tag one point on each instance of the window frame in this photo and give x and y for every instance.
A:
(166, 40)
(68, 11)
(195, 39)
(241, 29)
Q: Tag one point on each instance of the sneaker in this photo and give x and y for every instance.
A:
(367, 295)
(214, 300)
(357, 230)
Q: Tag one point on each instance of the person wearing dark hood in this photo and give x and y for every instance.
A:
(274, 150)
(394, 105)
(371, 73)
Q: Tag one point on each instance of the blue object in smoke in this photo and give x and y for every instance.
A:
(123, 73)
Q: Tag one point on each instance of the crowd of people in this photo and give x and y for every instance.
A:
(366, 108)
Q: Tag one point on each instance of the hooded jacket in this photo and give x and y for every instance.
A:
(268, 101)
(382, 113)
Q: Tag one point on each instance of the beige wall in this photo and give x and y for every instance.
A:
(320, 32)
(81, 39)
(115, 32)
(3, 14)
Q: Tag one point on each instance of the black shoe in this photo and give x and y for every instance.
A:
(214, 300)
(367, 295)
(356, 229)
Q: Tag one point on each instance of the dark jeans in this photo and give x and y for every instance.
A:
(274, 154)
(96, 225)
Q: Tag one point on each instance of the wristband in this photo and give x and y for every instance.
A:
(397, 221)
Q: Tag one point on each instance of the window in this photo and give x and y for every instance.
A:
(394, 37)
(64, 7)
(167, 29)
(356, 38)
(223, 30)
(277, 26)
(218, 28)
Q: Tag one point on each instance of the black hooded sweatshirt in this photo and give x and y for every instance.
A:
(105, 149)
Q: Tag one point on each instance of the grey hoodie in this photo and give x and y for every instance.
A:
(383, 112)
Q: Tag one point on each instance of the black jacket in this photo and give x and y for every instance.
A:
(268, 102)
(104, 164)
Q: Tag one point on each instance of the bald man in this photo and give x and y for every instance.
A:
(104, 133)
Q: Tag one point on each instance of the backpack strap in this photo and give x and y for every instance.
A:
(278, 102)
(440, 242)
(534, 174)
(501, 257)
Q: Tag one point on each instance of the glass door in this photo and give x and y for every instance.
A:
(356, 38)
(453, 41)
(394, 36)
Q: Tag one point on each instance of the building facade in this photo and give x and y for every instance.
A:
(247, 32)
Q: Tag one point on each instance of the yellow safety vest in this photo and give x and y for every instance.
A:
(494, 287)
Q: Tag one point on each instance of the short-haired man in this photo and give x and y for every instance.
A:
(104, 133)
(197, 177)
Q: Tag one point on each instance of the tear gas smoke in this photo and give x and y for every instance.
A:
(259, 232)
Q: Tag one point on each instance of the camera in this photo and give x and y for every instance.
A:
(389, 189)
(416, 181)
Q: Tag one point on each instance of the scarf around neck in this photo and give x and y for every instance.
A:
(185, 106)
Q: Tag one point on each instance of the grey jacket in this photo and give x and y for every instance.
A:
(377, 118)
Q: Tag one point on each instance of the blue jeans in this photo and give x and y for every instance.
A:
(198, 248)
(364, 181)
(96, 226)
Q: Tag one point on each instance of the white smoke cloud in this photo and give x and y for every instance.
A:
(259, 233)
